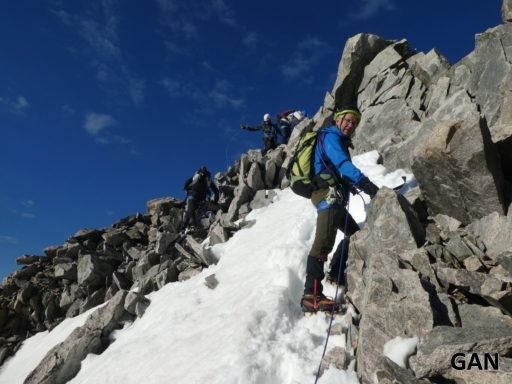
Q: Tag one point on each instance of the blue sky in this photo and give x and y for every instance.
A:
(108, 104)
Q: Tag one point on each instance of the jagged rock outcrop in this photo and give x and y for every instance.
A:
(450, 126)
(415, 286)
(466, 182)
(444, 341)
(434, 264)
(63, 361)
(390, 297)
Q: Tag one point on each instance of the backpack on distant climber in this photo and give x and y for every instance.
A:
(291, 117)
(200, 183)
(295, 118)
(283, 115)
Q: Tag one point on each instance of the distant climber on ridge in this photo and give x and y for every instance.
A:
(199, 188)
(269, 130)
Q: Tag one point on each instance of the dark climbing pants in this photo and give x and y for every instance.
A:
(190, 211)
(286, 132)
(270, 143)
(330, 218)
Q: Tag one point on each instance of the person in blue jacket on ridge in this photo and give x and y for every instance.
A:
(335, 177)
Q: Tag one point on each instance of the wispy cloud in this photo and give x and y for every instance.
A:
(206, 65)
(25, 211)
(223, 12)
(185, 18)
(99, 28)
(97, 122)
(16, 106)
(251, 40)
(21, 104)
(102, 38)
(307, 53)
(24, 215)
(67, 110)
(180, 17)
(96, 125)
(221, 94)
(4, 239)
(28, 203)
(366, 9)
(172, 86)
(136, 89)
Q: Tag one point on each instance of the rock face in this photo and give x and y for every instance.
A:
(458, 173)
(434, 264)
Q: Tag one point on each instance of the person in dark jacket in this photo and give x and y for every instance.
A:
(332, 159)
(269, 130)
(199, 188)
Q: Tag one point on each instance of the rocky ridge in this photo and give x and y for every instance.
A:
(433, 264)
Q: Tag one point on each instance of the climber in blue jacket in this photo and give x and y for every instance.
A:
(335, 177)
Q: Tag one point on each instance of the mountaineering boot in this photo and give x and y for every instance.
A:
(314, 275)
(311, 304)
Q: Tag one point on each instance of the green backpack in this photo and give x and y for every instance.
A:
(300, 171)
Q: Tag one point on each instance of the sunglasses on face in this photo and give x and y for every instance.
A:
(352, 122)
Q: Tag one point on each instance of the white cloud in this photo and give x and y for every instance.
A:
(223, 12)
(67, 110)
(17, 106)
(99, 28)
(4, 239)
(251, 39)
(102, 38)
(367, 9)
(27, 205)
(21, 104)
(221, 96)
(185, 18)
(96, 122)
(206, 65)
(175, 15)
(136, 90)
(25, 215)
(172, 86)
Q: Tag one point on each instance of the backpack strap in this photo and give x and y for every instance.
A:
(327, 163)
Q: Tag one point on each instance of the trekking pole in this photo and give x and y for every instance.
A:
(335, 293)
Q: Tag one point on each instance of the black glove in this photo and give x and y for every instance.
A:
(368, 187)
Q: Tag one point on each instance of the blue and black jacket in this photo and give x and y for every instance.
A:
(332, 150)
